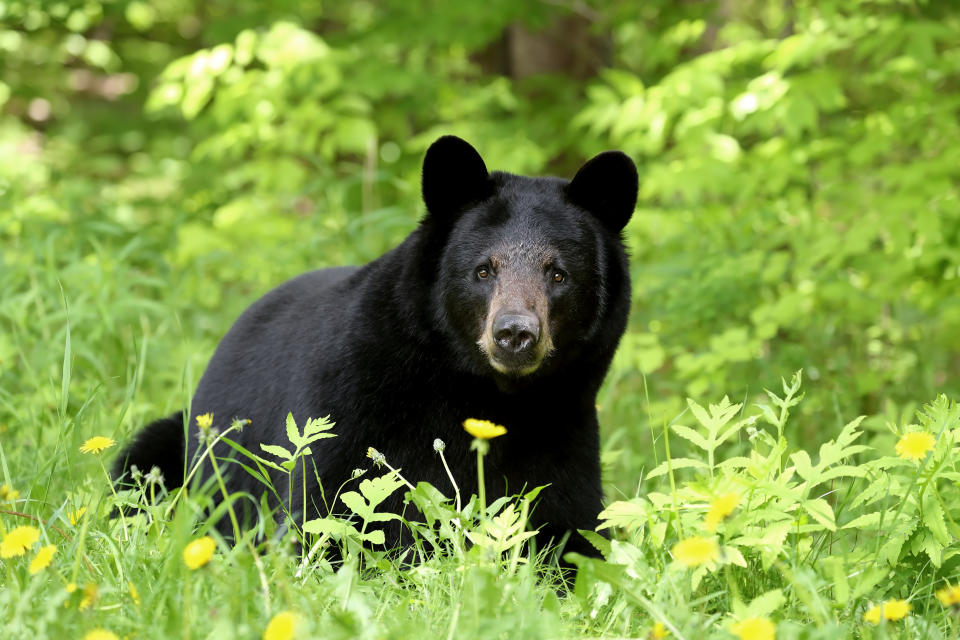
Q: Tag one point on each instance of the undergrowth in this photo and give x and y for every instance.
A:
(745, 535)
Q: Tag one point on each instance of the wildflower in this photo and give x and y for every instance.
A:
(914, 445)
(439, 445)
(693, 552)
(658, 632)
(100, 634)
(357, 472)
(378, 458)
(8, 493)
(281, 626)
(949, 595)
(42, 560)
(134, 594)
(154, 477)
(74, 516)
(205, 421)
(483, 429)
(890, 610)
(97, 444)
(90, 593)
(18, 541)
(720, 509)
(754, 629)
(198, 552)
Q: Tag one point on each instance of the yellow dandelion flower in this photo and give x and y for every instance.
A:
(281, 626)
(18, 541)
(896, 609)
(70, 587)
(720, 508)
(693, 552)
(100, 634)
(97, 444)
(74, 516)
(90, 593)
(42, 560)
(949, 595)
(483, 429)
(205, 421)
(889, 610)
(198, 552)
(755, 629)
(914, 445)
(8, 493)
(658, 632)
(134, 594)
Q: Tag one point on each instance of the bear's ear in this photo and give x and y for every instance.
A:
(453, 175)
(606, 186)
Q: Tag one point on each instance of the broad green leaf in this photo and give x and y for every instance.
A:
(276, 450)
(676, 463)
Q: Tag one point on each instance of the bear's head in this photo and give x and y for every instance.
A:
(530, 272)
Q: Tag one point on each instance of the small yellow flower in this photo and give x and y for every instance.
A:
(8, 493)
(483, 429)
(755, 629)
(914, 445)
(100, 634)
(890, 610)
(198, 552)
(949, 595)
(90, 593)
(18, 541)
(281, 626)
(658, 632)
(70, 587)
(693, 552)
(42, 560)
(205, 421)
(134, 594)
(720, 508)
(97, 444)
(74, 516)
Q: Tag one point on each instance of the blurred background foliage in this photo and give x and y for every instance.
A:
(163, 164)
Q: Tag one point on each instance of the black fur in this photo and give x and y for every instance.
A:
(389, 350)
(159, 444)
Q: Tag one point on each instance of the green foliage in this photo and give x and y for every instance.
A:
(163, 164)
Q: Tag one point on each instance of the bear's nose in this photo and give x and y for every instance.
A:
(515, 332)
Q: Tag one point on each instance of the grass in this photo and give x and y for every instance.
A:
(100, 334)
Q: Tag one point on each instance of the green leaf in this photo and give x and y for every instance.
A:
(630, 514)
(276, 450)
(292, 434)
(821, 511)
(676, 463)
(692, 436)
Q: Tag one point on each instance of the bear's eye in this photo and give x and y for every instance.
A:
(558, 276)
(483, 272)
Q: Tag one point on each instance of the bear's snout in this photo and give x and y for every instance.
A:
(516, 333)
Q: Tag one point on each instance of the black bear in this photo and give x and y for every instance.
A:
(505, 304)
